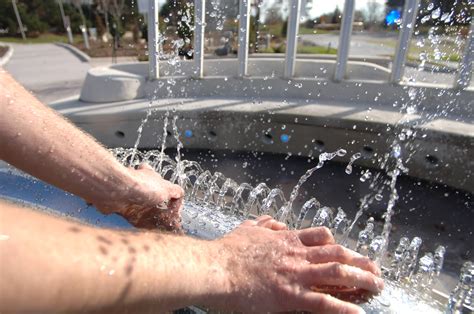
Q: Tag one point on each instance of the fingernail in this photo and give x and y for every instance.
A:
(380, 284)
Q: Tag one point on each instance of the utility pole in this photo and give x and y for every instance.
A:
(18, 18)
(66, 22)
(84, 24)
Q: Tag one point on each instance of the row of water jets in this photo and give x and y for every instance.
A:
(215, 192)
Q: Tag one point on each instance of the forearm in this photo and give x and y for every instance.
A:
(68, 266)
(37, 140)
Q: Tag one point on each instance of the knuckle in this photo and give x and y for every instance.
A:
(326, 232)
(321, 303)
(337, 270)
(340, 252)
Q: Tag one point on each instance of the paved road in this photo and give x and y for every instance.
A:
(381, 44)
(361, 44)
(49, 71)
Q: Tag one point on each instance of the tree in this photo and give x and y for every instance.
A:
(336, 16)
(273, 14)
(38, 16)
(373, 12)
(181, 14)
(115, 8)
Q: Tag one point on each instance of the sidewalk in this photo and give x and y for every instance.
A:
(52, 72)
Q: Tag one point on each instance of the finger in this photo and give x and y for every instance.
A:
(352, 295)
(170, 220)
(336, 274)
(272, 224)
(316, 236)
(262, 218)
(249, 223)
(324, 303)
(145, 166)
(338, 253)
(176, 191)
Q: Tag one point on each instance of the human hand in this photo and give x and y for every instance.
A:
(149, 202)
(274, 271)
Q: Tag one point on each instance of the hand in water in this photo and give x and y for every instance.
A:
(150, 202)
(272, 269)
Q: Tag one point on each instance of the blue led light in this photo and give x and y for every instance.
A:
(284, 138)
(188, 133)
(392, 17)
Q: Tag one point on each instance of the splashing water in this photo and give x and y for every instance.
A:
(351, 162)
(227, 203)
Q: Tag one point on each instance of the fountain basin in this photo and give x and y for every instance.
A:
(199, 221)
(440, 151)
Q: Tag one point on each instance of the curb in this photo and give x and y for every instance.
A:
(78, 53)
(433, 67)
(4, 60)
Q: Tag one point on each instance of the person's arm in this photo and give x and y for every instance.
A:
(50, 264)
(40, 142)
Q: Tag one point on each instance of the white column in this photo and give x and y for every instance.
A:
(199, 27)
(344, 40)
(463, 77)
(292, 38)
(244, 27)
(153, 60)
(406, 29)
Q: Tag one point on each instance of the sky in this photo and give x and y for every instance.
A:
(326, 6)
(318, 7)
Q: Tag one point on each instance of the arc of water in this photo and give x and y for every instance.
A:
(426, 268)
(340, 224)
(365, 237)
(313, 202)
(284, 212)
(375, 247)
(462, 294)
(398, 257)
(168, 171)
(140, 131)
(323, 218)
(351, 162)
(189, 165)
(410, 259)
(439, 259)
(200, 183)
(261, 190)
(229, 185)
(271, 202)
(179, 173)
(238, 202)
(213, 187)
(163, 140)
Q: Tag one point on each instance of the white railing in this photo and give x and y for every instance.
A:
(463, 76)
(406, 31)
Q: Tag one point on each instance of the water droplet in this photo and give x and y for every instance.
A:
(436, 14)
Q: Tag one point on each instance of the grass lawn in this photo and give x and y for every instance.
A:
(311, 31)
(41, 39)
(316, 50)
(449, 50)
(275, 30)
